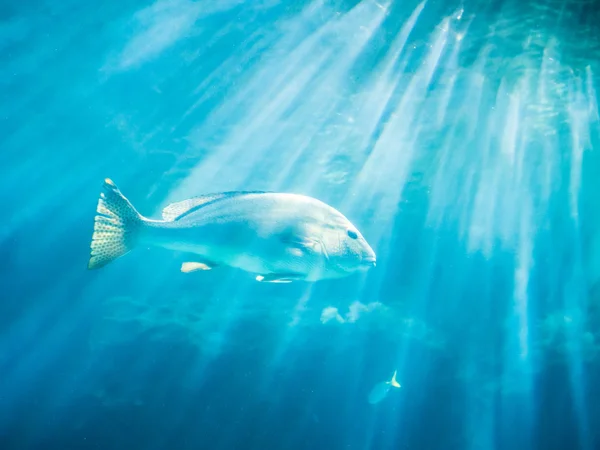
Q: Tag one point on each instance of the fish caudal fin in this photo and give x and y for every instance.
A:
(116, 227)
(394, 383)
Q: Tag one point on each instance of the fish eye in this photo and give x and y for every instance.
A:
(352, 234)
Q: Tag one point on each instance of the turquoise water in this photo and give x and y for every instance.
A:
(459, 137)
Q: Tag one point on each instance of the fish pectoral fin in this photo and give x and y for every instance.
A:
(300, 245)
(316, 246)
(279, 277)
(323, 250)
(188, 267)
(295, 251)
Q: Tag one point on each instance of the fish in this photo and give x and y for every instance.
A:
(380, 390)
(278, 237)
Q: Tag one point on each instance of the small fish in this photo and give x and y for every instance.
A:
(276, 236)
(380, 390)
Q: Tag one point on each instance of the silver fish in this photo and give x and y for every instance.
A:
(380, 390)
(276, 236)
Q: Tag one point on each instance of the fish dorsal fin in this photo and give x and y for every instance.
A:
(176, 210)
(394, 383)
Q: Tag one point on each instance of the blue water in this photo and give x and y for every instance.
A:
(459, 137)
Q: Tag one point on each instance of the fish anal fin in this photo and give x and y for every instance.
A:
(188, 267)
(278, 277)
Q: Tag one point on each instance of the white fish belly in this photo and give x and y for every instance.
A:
(266, 257)
(236, 245)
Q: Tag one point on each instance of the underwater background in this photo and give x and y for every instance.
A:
(461, 137)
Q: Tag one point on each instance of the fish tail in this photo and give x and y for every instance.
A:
(394, 383)
(117, 226)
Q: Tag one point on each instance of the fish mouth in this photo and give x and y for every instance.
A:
(369, 261)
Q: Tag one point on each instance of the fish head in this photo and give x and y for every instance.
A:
(346, 247)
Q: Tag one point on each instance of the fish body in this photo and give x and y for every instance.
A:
(277, 236)
(381, 390)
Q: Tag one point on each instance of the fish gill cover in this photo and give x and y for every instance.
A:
(460, 137)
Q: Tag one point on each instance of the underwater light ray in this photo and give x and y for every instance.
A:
(591, 237)
(35, 203)
(40, 38)
(582, 116)
(481, 426)
(510, 112)
(474, 98)
(452, 68)
(446, 157)
(579, 120)
(480, 392)
(578, 383)
(161, 25)
(387, 163)
(592, 97)
(372, 99)
(492, 214)
(381, 180)
(522, 272)
(286, 56)
(446, 95)
(550, 174)
(265, 82)
(509, 183)
(290, 102)
(447, 188)
(480, 221)
(429, 71)
(575, 299)
(512, 175)
(363, 110)
(383, 80)
(246, 138)
(223, 75)
(517, 229)
(309, 119)
(534, 159)
(270, 113)
(510, 134)
(317, 134)
(289, 334)
(290, 37)
(379, 194)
